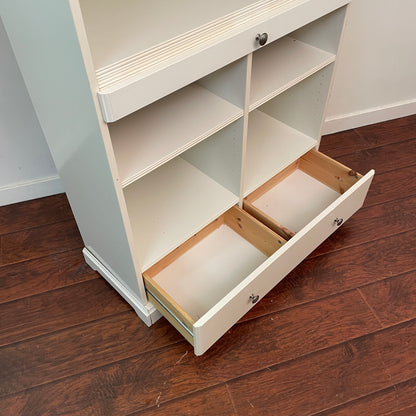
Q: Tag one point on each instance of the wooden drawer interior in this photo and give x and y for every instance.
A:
(189, 281)
(292, 198)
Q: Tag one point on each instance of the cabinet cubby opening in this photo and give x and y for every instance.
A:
(323, 33)
(159, 132)
(295, 196)
(179, 198)
(281, 65)
(287, 61)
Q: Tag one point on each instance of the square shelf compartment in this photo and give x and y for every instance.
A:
(155, 134)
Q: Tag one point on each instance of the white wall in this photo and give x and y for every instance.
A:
(26, 167)
(375, 80)
(375, 77)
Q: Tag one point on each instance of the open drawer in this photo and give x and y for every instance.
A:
(205, 285)
(299, 197)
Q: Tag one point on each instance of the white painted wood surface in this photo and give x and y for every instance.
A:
(229, 82)
(323, 33)
(140, 80)
(283, 64)
(271, 146)
(296, 200)
(169, 205)
(202, 276)
(153, 135)
(232, 307)
(302, 106)
(220, 156)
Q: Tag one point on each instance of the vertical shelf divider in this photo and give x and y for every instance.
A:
(245, 127)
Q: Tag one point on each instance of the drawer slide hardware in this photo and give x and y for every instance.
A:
(171, 313)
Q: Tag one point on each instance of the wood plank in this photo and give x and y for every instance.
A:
(62, 308)
(38, 242)
(393, 401)
(372, 223)
(36, 276)
(393, 300)
(335, 272)
(331, 377)
(253, 231)
(367, 137)
(174, 371)
(84, 347)
(34, 213)
(268, 221)
(211, 402)
(328, 171)
(382, 159)
(392, 185)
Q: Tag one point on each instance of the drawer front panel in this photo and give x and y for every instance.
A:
(230, 309)
(149, 85)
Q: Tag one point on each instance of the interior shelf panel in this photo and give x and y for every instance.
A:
(171, 204)
(150, 137)
(283, 64)
(271, 146)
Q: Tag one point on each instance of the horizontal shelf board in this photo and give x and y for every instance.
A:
(296, 200)
(155, 134)
(213, 267)
(169, 205)
(281, 65)
(271, 146)
(119, 55)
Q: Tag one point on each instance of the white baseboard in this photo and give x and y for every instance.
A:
(369, 116)
(24, 191)
(147, 313)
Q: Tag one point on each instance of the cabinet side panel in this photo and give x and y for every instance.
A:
(47, 50)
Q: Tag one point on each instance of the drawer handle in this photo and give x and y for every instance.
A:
(262, 38)
(338, 221)
(254, 298)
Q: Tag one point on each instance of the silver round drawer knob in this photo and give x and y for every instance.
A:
(254, 298)
(338, 221)
(262, 38)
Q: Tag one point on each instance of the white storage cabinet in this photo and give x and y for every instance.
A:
(186, 135)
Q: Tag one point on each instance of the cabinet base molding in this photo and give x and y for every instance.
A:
(147, 313)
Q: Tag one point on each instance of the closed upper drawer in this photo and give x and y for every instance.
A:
(213, 279)
(132, 73)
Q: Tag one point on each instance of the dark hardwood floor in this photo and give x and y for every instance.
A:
(336, 337)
